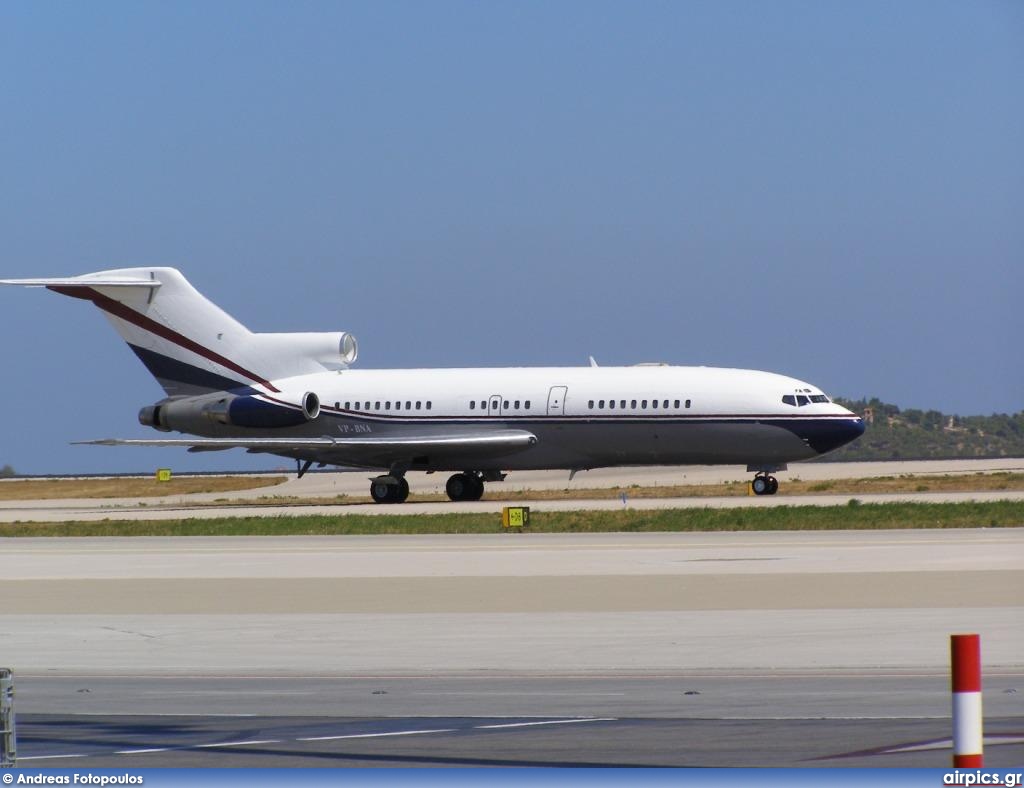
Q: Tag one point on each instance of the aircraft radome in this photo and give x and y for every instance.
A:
(296, 395)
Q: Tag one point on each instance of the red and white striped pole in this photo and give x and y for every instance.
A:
(965, 655)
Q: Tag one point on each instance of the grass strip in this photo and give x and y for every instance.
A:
(855, 515)
(128, 487)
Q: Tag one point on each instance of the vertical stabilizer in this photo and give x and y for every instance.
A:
(190, 344)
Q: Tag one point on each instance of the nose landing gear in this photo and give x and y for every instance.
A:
(764, 483)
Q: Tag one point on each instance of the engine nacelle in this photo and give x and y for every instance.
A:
(194, 414)
(150, 416)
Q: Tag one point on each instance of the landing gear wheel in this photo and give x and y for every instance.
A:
(764, 484)
(464, 487)
(380, 492)
(383, 490)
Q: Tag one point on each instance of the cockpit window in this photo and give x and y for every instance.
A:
(788, 399)
(801, 400)
(819, 398)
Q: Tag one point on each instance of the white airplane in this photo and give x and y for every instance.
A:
(295, 395)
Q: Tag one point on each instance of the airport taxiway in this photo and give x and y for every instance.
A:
(686, 649)
(534, 649)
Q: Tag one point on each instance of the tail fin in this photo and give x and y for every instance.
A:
(190, 344)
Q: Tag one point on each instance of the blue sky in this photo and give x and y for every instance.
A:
(830, 190)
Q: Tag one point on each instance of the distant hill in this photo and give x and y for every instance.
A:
(894, 434)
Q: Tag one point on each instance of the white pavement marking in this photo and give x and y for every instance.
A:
(232, 744)
(147, 749)
(49, 757)
(946, 744)
(545, 722)
(376, 735)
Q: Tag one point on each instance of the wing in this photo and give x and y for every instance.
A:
(371, 451)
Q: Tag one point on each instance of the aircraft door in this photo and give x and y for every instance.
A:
(556, 400)
(494, 405)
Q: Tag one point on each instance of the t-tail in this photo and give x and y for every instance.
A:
(190, 344)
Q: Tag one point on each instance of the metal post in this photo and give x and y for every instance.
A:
(8, 737)
(965, 655)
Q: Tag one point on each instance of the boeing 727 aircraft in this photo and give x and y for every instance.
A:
(295, 395)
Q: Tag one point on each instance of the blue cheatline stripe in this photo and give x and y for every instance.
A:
(165, 368)
(786, 422)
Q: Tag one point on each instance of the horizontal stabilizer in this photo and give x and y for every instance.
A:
(84, 281)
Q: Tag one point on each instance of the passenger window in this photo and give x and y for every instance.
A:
(398, 405)
(376, 406)
(622, 404)
(633, 404)
(611, 404)
(505, 405)
(472, 404)
(516, 405)
(687, 403)
(387, 406)
(643, 404)
(418, 403)
(600, 404)
(788, 399)
(367, 406)
(428, 404)
(590, 404)
(654, 403)
(527, 404)
(666, 404)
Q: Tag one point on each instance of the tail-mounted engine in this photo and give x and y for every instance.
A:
(195, 414)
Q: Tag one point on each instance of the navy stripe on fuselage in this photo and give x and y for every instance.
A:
(165, 368)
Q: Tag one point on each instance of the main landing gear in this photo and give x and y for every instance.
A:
(389, 489)
(467, 486)
(764, 484)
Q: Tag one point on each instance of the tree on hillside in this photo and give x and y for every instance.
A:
(7, 472)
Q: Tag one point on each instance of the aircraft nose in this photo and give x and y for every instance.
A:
(836, 433)
(825, 435)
